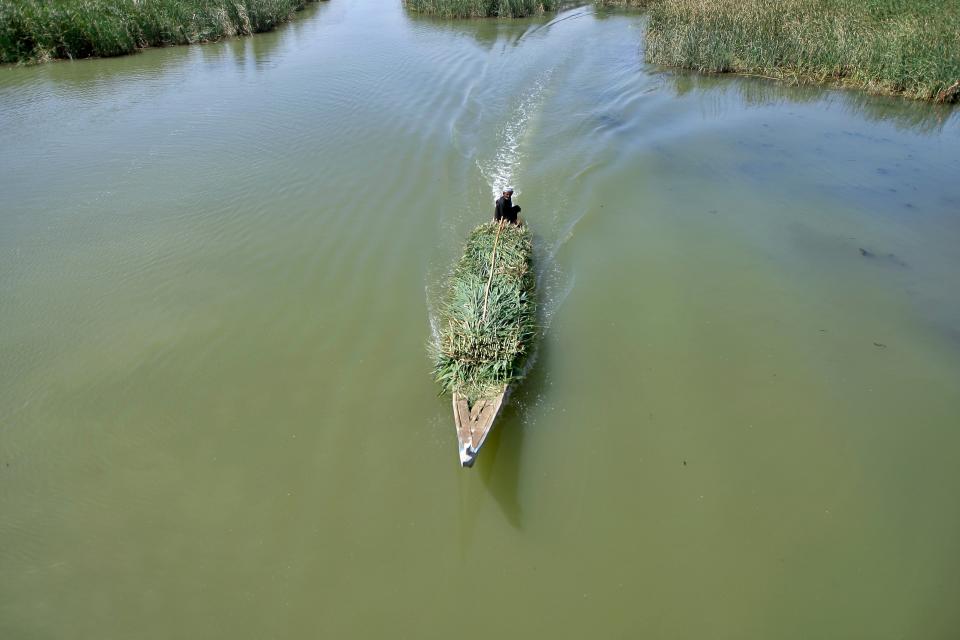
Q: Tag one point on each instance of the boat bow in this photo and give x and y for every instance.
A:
(474, 423)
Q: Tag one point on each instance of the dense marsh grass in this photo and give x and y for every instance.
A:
(905, 47)
(480, 8)
(488, 322)
(38, 30)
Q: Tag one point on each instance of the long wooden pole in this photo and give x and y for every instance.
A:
(493, 256)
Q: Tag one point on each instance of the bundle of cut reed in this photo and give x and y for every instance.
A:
(488, 322)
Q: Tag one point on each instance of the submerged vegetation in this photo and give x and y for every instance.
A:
(488, 323)
(38, 30)
(905, 47)
(480, 8)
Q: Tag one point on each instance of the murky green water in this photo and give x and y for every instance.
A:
(217, 266)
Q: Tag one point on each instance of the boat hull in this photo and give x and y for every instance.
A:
(475, 422)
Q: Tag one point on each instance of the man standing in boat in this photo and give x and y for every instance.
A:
(505, 209)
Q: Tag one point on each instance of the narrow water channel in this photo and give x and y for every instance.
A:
(218, 270)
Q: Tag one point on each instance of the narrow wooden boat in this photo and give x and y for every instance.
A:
(486, 329)
(475, 422)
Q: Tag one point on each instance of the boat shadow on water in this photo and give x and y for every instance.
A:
(499, 464)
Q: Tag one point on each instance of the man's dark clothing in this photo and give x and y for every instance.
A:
(506, 210)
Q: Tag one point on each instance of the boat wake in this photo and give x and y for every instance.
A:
(502, 169)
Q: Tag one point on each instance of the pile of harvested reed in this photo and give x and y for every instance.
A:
(488, 323)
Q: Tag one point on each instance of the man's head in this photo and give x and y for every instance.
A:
(508, 192)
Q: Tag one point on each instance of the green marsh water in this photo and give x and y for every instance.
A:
(218, 270)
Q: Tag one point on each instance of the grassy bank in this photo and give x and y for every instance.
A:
(905, 47)
(38, 30)
(487, 324)
(480, 8)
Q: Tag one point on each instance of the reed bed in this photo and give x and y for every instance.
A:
(480, 8)
(488, 324)
(904, 47)
(39, 30)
